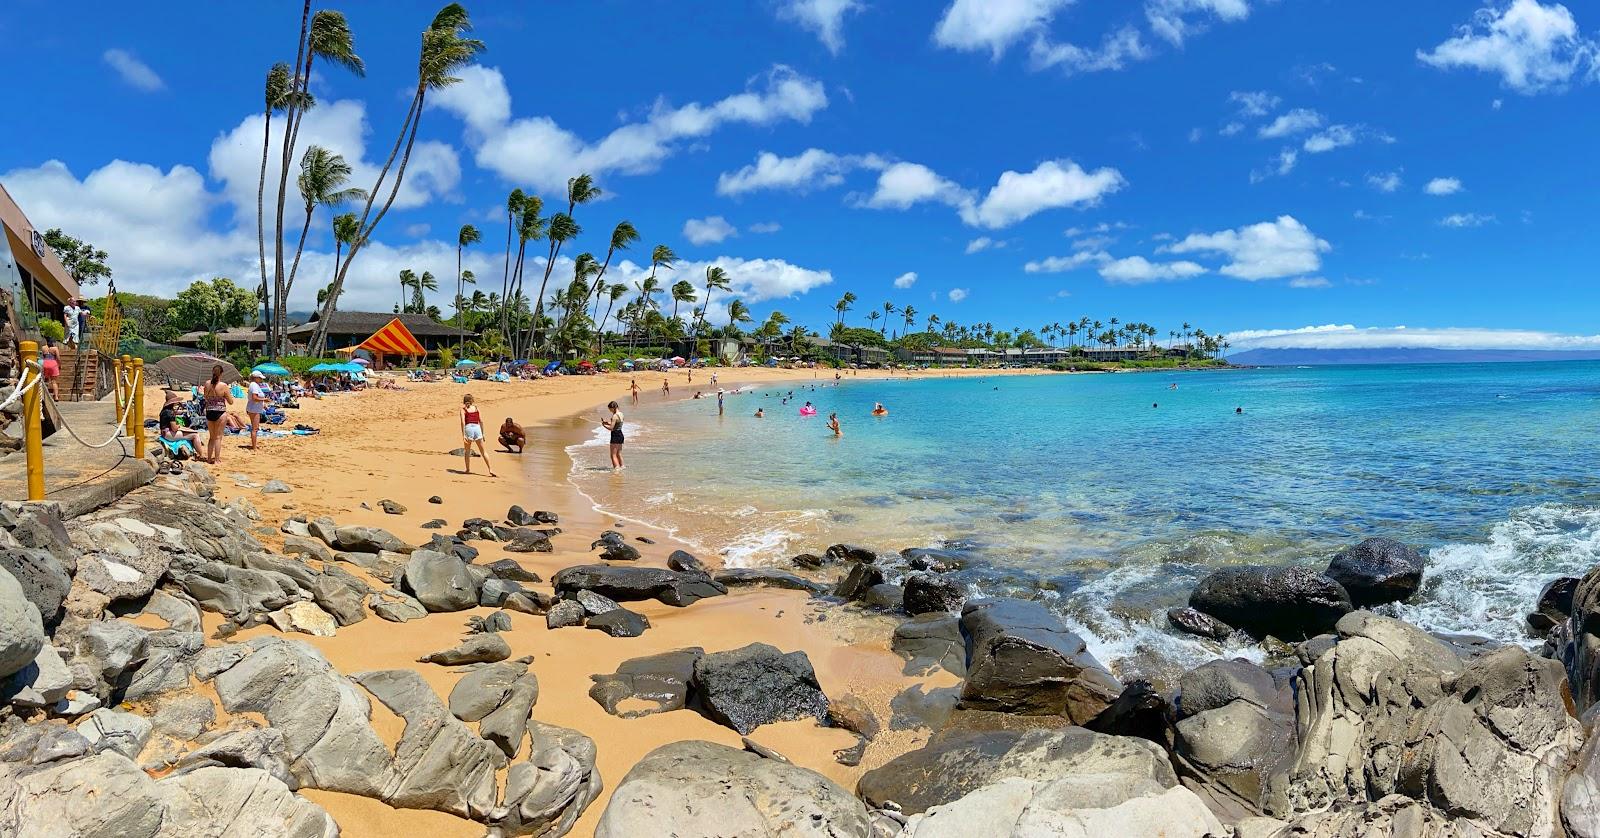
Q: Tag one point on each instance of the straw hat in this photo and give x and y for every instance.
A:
(173, 397)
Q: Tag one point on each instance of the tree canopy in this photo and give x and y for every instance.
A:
(84, 261)
(213, 306)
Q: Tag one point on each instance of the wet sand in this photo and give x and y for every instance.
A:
(393, 444)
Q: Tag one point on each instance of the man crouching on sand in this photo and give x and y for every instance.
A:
(511, 435)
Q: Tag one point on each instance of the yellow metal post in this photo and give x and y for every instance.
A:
(136, 415)
(116, 381)
(32, 432)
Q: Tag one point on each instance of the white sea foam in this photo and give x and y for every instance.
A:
(1487, 588)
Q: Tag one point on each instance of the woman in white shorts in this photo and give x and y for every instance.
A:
(472, 434)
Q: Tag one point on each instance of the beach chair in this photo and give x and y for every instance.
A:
(459, 379)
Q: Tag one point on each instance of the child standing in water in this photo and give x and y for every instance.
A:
(613, 423)
(833, 424)
(472, 434)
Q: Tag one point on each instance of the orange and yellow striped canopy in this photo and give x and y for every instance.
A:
(393, 339)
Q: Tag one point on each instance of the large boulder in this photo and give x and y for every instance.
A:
(1290, 603)
(476, 648)
(857, 581)
(658, 682)
(546, 794)
(1091, 805)
(21, 629)
(631, 584)
(1216, 683)
(1579, 641)
(700, 788)
(43, 580)
(930, 593)
(1377, 571)
(440, 582)
(751, 686)
(100, 796)
(765, 577)
(956, 764)
(215, 800)
(1022, 659)
(439, 763)
(930, 641)
(1554, 605)
(506, 725)
(367, 540)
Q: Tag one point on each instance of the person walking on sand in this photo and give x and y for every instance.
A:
(666, 389)
(472, 434)
(633, 388)
(256, 404)
(217, 396)
(833, 425)
(613, 423)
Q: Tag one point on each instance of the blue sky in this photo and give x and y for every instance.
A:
(1244, 165)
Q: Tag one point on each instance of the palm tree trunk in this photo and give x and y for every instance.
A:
(505, 278)
(319, 335)
(261, 223)
(297, 83)
(282, 315)
(461, 338)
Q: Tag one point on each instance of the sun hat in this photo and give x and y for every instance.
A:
(257, 374)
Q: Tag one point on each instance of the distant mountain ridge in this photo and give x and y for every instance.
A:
(1398, 355)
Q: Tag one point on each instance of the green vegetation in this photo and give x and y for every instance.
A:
(85, 262)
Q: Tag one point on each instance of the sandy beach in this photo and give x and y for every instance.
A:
(384, 444)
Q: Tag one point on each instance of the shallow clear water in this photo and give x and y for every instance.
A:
(1119, 506)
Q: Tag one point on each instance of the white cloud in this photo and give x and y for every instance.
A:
(751, 280)
(810, 169)
(1384, 181)
(1534, 48)
(1063, 264)
(1296, 121)
(1309, 282)
(133, 71)
(906, 280)
(823, 17)
(1051, 185)
(1281, 165)
(993, 25)
(765, 227)
(1334, 136)
(1268, 250)
(1348, 336)
(957, 294)
(1196, 134)
(1137, 270)
(903, 184)
(417, 231)
(538, 151)
(1466, 219)
(1231, 129)
(709, 230)
(1496, 104)
(1253, 103)
(1116, 51)
(983, 243)
(1443, 186)
(1093, 242)
(1171, 18)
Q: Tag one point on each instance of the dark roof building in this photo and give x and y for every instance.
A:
(348, 328)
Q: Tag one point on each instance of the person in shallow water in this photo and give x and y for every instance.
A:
(1238, 410)
(613, 423)
(807, 410)
(760, 414)
(879, 410)
(833, 424)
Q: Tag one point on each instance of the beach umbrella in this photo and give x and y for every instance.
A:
(466, 362)
(350, 368)
(271, 369)
(323, 367)
(362, 361)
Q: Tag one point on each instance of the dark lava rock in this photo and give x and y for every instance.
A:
(525, 540)
(929, 641)
(685, 561)
(767, 577)
(392, 507)
(620, 553)
(851, 756)
(853, 714)
(435, 499)
(757, 684)
(563, 615)
(630, 584)
(1554, 605)
(933, 559)
(608, 537)
(1190, 621)
(1139, 711)
(454, 547)
(619, 622)
(644, 540)
(1377, 571)
(915, 709)
(810, 561)
(1022, 659)
(856, 583)
(927, 593)
(435, 524)
(851, 553)
(661, 680)
(510, 570)
(519, 517)
(1218, 683)
(1289, 603)
(367, 540)
(594, 604)
(886, 596)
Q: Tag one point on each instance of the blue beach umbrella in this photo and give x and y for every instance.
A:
(466, 362)
(272, 369)
(323, 367)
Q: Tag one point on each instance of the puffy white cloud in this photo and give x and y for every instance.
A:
(480, 99)
(538, 151)
(1296, 121)
(983, 243)
(709, 230)
(1063, 264)
(1117, 50)
(751, 280)
(1172, 19)
(765, 227)
(993, 25)
(1253, 103)
(1443, 186)
(1466, 219)
(823, 17)
(1137, 270)
(1051, 185)
(1334, 136)
(1384, 181)
(1309, 282)
(810, 169)
(1348, 336)
(133, 71)
(903, 184)
(1268, 250)
(905, 280)
(1534, 48)
(1231, 129)
(1281, 165)
(956, 295)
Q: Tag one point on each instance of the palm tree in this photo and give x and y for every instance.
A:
(682, 292)
(613, 293)
(322, 180)
(872, 317)
(910, 314)
(622, 236)
(345, 228)
(716, 280)
(420, 288)
(530, 227)
(327, 35)
(445, 48)
(468, 234)
(888, 309)
(563, 228)
(407, 279)
(933, 321)
(514, 203)
(844, 305)
(738, 313)
(277, 99)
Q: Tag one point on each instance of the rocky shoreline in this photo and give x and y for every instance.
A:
(121, 715)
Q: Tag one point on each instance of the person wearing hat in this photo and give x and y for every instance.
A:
(171, 408)
(256, 403)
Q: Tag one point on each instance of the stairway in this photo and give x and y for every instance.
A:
(85, 376)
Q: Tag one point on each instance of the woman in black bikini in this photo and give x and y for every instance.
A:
(217, 396)
(613, 423)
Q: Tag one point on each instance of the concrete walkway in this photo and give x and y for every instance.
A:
(76, 476)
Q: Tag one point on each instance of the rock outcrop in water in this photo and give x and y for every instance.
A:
(1290, 603)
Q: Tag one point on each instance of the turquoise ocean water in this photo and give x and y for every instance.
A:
(1082, 488)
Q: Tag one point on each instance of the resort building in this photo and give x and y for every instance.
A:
(227, 339)
(350, 328)
(915, 357)
(29, 269)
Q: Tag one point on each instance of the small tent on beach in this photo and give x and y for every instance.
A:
(392, 339)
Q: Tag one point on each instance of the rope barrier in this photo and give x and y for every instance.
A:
(116, 434)
(21, 388)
